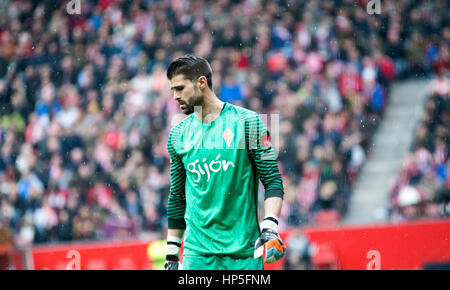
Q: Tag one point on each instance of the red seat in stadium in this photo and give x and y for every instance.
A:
(326, 217)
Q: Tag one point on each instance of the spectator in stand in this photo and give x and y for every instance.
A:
(6, 242)
(230, 91)
(298, 256)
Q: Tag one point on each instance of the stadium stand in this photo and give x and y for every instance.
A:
(421, 189)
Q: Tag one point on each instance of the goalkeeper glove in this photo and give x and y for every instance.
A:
(269, 243)
(172, 251)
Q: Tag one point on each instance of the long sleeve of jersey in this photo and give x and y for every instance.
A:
(177, 200)
(263, 156)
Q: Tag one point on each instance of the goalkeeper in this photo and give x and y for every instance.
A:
(218, 154)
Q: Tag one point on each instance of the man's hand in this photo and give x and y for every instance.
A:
(269, 244)
(171, 265)
(172, 251)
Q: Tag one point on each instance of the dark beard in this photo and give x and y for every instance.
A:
(188, 109)
(196, 102)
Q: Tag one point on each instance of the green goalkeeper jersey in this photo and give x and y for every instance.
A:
(215, 170)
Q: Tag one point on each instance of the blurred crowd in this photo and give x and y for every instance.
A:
(422, 187)
(85, 107)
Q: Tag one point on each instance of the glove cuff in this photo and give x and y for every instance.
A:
(173, 248)
(270, 223)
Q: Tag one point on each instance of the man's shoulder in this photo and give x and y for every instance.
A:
(178, 129)
(243, 113)
(181, 124)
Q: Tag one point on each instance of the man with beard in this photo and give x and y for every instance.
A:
(218, 154)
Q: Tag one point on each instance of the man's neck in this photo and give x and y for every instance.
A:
(211, 108)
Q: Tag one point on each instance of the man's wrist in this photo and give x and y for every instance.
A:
(270, 222)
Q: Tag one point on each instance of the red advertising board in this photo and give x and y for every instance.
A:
(387, 246)
(400, 246)
(129, 255)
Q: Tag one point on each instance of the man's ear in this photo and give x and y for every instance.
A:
(202, 82)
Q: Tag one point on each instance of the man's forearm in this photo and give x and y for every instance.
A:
(272, 206)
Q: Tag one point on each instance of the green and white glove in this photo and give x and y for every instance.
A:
(269, 244)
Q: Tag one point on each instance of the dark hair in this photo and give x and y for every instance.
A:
(192, 67)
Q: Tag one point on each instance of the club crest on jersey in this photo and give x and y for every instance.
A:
(228, 136)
